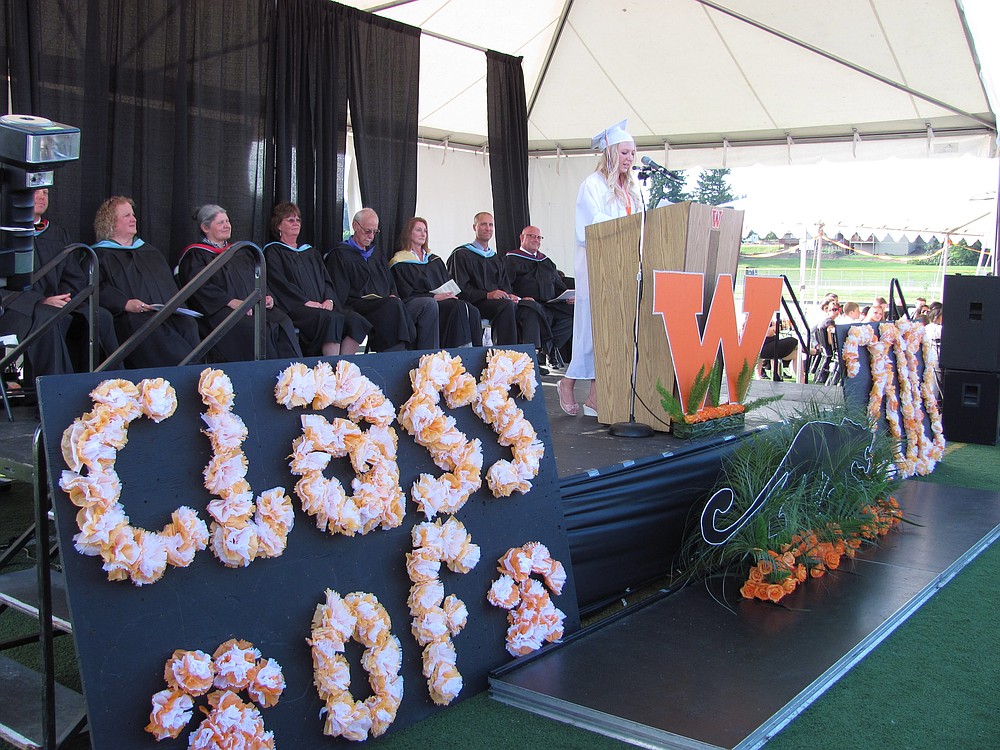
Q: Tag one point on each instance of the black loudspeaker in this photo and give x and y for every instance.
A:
(971, 409)
(970, 330)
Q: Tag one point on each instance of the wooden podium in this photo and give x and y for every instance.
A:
(687, 237)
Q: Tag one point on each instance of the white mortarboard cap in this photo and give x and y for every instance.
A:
(610, 136)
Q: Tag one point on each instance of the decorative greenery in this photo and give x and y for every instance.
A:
(811, 521)
(708, 389)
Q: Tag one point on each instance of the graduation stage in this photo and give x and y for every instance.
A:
(697, 668)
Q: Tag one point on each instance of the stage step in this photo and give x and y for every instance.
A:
(19, 590)
(21, 710)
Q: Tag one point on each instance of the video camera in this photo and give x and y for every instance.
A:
(31, 148)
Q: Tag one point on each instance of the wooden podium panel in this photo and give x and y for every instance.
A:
(687, 237)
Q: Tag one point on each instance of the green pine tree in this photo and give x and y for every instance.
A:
(669, 188)
(712, 187)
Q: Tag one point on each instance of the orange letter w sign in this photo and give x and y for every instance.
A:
(678, 298)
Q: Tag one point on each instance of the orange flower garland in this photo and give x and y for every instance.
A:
(714, 412)
(336, 621)
(437, 618)
(241, 531)
(451, 450)
(778, 573)
(919, 454)
(91, 445)
(235, 666)
(532, 617)
(497, 409)
(376, 499)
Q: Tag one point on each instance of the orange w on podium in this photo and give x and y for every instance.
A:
(677, 296)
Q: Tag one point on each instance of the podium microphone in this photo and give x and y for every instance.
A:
(653, 166)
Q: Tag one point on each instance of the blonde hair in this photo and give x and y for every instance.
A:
(104, 220)
(607, 165)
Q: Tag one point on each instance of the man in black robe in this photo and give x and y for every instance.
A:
(361, 277)
(533, 275)
(480, 273)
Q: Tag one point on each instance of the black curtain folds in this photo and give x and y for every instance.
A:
(384, 69)
(170, 98)
(19, 38)
(310, 114)
(507, 122)
(234, 102)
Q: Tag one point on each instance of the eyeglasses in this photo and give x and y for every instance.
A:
(535, 236)
(367, 232)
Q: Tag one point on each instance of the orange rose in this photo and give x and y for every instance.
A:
(775, 592)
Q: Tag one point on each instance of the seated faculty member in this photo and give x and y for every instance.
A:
(302, 286)
(482, 276)
(360, 273)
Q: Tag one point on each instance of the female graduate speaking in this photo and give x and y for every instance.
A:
(609, 192)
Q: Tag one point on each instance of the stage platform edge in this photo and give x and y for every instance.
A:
(617, 679)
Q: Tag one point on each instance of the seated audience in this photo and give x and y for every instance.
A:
(135, 276)
(227, 289)
(420, 273)
(361, 276)
(875, 314)
(480, 273)
(850, 313)
(302, 286)
(533, 275)
(785, 348)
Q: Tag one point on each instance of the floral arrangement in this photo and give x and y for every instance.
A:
(916, 453)
(339, 619)
(450, 449)
(90, 447)
(532, 617)
(377, 498)
(808, 519)
(241, 531)
(707, 390)
(436, 617)
(497, 409)
(779, 571)
(230, 723)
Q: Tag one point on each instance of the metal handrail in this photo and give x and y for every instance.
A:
(804, 342)
(255, 299)
(891, 315)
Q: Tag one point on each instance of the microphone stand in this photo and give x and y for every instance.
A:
(631, 428)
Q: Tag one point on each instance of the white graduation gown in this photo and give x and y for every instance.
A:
(594, 203)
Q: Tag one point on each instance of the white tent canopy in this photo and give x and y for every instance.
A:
(704, 83)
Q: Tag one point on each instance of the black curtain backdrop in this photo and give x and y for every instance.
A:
(507, 121)
(170, 98)
(20, 53)
(310, 114)
(234, 102)
(384, 83)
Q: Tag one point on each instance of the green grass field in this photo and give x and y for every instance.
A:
(853, 278)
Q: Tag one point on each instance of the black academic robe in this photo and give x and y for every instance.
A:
(353, 277)
(25, 311)
(459, 321)
(140, 271)
(296, 276)
(510, 322)
(70, 277)
(234, 281)
(536, 276)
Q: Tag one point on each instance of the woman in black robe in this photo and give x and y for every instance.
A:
(134, 276)
(418, 272)
(302, 286)
(227, 289)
